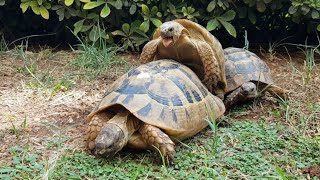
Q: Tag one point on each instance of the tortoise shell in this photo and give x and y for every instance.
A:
(166, 94)
(243, 66)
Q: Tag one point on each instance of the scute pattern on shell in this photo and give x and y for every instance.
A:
(243, 66)
(165, 94)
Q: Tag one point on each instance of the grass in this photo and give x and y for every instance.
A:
(3, 44)
(96, 58)
(244, 150)
(91, 61)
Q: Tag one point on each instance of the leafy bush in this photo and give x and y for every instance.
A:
(132, 22)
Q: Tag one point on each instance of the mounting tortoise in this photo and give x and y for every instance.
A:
(151, 106)
(247, 75)
(192, 45)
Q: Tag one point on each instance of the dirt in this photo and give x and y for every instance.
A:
(33, 115)
(313, 171)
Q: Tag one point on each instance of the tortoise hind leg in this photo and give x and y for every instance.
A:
(155, 137)
(276, 91)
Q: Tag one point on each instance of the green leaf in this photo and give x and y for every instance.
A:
(60, 12)
(47, 5)
(133, 9)
(252, 17)
(305, 9)
(68, 2)
(91, 5)
(44, 12)
(292, 10)
(85, 1)
(154, 10)
(318, 27)
(315, 14)
(2, 2)
(86, 28)
(231, 30)
(95, 33)
(24, 6)
(212, 24)
(33, 3)
(117, 4)
(211, 6)
(145, 26)
(105, 11)
(267, 1)
(39, 2)
(156, 22)
(145, 9)
(261, 7)
(36, 9)
(78, 26)
(126, 28)
(172, 8)
(229, 15)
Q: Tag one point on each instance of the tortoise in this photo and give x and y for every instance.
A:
(247, 75)
(151, 106)
(190, 44)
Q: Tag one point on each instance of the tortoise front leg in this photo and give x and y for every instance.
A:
(155, 137)
(149, 51)
(94, 127)
(211, 69)
(232, 98)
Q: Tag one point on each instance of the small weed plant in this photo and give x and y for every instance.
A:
(96, 58)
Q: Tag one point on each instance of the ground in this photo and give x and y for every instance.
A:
(45, 98)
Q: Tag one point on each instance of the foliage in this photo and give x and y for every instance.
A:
(131, 22)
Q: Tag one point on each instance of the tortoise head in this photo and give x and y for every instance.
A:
(171, 31)
(109, 141)
(249, 90)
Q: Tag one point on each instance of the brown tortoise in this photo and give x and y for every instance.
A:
(151, 106)
(247, 75)
(190, 44)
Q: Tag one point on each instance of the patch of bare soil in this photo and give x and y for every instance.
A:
(34, 115)
(314, 171)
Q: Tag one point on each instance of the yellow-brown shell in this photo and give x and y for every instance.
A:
(165, 94)
(244, 66)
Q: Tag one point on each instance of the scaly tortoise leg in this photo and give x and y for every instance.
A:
(232, 98)
(149, 51)
(155, 137)
(275, 91)
(136, 141)
(94, 128)
(211, 67)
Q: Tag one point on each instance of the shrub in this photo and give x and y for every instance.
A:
(132, 22)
